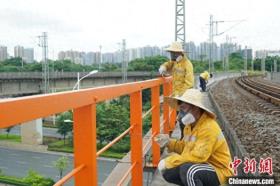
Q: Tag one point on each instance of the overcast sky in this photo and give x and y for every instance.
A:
(85, 24)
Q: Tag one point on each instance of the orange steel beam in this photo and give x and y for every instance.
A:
(155, 102)
(69, 175)
(114, 141)
(85, 145)
(136, 138)
(172, 119)
(126, 174)
(166, 93)
(49, 104)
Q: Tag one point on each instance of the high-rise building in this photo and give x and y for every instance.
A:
(89, 59)
(261, 53)
(191, 50)
(28, 55)
(61, 55)
(108, 57)
(264, 53)
(19, 51)
(203, 51)
(3, 53)
(248, 52)
(74, 56)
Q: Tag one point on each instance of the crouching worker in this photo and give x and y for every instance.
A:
(203, 80)
(202, 157)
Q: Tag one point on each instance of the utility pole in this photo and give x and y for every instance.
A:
(245, 60)
(275, 65)
(100, 60)
(213, 23)
(180, 22)
(124, 62)
(210, 42)
(263, 63)
(227, 54)
(252, 64)
(45, 65)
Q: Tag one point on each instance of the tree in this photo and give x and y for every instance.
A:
(147, 63)
(35, 179)
(64, 127)
(61, 164)
(112, 120)
(8, 130)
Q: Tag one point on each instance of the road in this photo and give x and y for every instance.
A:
(50, 132)
(17, 163)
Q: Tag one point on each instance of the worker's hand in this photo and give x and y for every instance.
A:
(162, 139)
(161, 166)
(162, 70)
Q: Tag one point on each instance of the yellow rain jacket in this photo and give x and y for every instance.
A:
(182, 73)
(204, 143)
(205, 75)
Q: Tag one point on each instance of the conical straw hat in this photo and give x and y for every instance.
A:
(193, 97)
(175, 47)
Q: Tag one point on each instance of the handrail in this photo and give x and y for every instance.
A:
(126, 174)
(83, 103)
(69, 175)
(149, 141)
(148, 112)
(114, 141)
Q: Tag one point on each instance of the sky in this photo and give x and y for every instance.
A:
(84, 25)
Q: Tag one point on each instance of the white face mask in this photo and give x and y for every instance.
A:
(179, 58)
(188, 119)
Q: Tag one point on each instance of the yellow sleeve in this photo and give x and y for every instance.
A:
(207, 76)
(168, 65)
(189, 78)
(199, 154)
(176, 146)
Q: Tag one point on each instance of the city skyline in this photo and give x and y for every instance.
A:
(85, 25)
(198, 52)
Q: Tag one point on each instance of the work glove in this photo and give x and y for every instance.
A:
(162, 139)
(162, 70)
(161, 166)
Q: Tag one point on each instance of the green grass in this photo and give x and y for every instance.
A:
(49, 125)
(11, 137)
(12, 180)
(110, 154)
(59, 146)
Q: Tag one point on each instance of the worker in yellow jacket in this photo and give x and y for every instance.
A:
(202, 157)
(203, 80)
(180, 67)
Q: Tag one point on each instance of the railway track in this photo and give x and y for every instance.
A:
(254, 120)
(268, 91)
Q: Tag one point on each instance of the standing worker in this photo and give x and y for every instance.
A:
(203, 79)
(202, 157)
(180, 67)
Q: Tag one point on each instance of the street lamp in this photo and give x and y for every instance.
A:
(80, 79)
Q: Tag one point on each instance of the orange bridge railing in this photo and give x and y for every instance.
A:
(83, 103)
